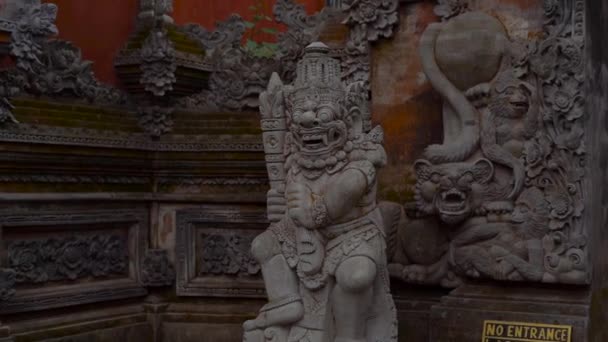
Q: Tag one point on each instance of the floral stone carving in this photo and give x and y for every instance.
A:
(227, 254)
(378, 18)
(501, 198)
(325, 252)
(157, 270)
(7, 283)
(47, 67)
(69, 258)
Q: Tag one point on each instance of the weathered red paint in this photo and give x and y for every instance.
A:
(101, 27)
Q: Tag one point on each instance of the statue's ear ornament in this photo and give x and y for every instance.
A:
(423, 169)
(483, 171)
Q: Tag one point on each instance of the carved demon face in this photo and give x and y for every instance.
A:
(531, 213)
(512, 97)
(317, 128)
(451, 190)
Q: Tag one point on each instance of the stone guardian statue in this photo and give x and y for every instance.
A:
(323, 257)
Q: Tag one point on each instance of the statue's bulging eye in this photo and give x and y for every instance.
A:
(435, 178)
(575, 258)
(325, 114)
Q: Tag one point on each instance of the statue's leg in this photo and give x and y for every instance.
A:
(352, 298)
(285, 305)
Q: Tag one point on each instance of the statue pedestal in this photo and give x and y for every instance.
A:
(414, 306)
(461, 315)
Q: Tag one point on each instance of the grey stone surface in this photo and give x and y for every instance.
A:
(324, 256)
(502, 197)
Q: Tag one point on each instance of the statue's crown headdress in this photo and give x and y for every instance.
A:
(318, 76)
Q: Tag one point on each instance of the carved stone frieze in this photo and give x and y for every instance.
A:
(72, 179)
(47, 67)
(377, 18)
(227, 34)
(112, 139)
(227, 253)
(7, 283)
(502, 197)
(157, 269)
(238, 78)
(156, 120)
(158, 67)
(369, 21)
(95, 266)
(68, 258)
(214, 242)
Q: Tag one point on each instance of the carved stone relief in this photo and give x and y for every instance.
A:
(46, 67)
(7, 283)
(68, 258)
(158, 67)
(96, 266)
(238, 78)
(226, 253)
(213, 251)
(157, 269)
(502, 197)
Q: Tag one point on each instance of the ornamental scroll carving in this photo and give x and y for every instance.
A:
(502, 197)
(46, 67)
(238, 78)
(68, 258)
(227, 253)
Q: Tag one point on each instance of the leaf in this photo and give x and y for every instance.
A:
(269, 30)
(253, 8)
(251, 45)
(249, 24)
(268, 18)
(258, 17)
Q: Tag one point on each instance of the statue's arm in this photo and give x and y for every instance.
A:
(344, 193)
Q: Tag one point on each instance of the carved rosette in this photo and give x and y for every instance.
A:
(7, 283)
(157, 269)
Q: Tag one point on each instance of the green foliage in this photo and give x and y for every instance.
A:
(261, 15)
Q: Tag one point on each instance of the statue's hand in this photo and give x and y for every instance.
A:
(299, 205)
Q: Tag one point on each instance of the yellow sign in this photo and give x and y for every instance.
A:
(499, 331)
